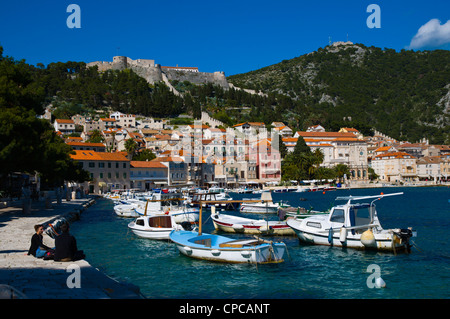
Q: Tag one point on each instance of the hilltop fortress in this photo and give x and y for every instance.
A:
(154, 72)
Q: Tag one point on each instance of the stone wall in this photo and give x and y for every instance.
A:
(152, 72)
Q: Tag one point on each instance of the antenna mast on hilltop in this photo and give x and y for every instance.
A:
(329, 40)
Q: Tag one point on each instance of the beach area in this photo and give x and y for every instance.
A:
(24, 276)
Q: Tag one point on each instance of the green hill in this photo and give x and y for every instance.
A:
(404, 94)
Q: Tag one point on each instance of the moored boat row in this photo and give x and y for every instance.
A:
(352, 225)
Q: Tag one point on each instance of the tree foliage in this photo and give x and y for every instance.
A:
(27, 143)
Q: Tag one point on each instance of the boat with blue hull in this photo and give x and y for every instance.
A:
(196, 244)
(224, 249)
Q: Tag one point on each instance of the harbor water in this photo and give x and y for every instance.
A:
(309, 272)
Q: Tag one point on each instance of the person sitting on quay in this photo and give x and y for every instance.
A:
(37, 248)
(66, 246)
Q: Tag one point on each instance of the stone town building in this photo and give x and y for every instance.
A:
(340, 148)
(145, 175)
(108, 171)
(395, 167)
(64, 126)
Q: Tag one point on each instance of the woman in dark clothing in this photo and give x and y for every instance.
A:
(37, 248)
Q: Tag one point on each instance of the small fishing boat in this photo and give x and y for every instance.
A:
(223, 249)
(236, 224)
(197, 244)
(353, 225)
(169, 204)
(244, 190)
(154, 227)
(128, 208)
(265, 206)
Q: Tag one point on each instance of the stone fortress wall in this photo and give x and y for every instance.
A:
(153, 72)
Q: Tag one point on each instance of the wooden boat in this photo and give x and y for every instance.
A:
(236, 224)
(153, 227)
(196, 244)
(353, 225)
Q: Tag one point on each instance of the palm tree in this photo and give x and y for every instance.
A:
(341, 170)
(130, 147)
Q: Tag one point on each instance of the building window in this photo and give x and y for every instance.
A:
(91, 164)
(101, 165)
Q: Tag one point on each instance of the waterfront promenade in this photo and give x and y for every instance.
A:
(24, 276)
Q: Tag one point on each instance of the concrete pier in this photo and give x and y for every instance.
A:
(24, 276)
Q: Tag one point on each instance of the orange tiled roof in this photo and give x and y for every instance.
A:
(394, 154)
(326, 134)
(147, 164)
(64, 121)
(168, 159)
(81, 155)
(85, 144)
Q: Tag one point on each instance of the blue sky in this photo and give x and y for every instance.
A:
(231, 36)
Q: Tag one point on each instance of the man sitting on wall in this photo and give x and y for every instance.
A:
(66, 246)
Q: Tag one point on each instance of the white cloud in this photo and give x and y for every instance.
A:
(432, 34)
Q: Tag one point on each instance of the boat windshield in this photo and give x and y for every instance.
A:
(362, 214)
(337, 216)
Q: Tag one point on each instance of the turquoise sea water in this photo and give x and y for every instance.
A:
(312, 272)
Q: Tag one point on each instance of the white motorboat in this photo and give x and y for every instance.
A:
(244, 190)
(128, 208)
(153, 227)
(353, 225)
(265, 206)
(169, 204)
(236, 224)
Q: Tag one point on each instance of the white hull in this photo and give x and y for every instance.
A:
(153, 227)
(125, 210)
(155, 233)
(259, 255)
(383, 240)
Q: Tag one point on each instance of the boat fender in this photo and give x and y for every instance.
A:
(238, 226)
(368, 239)
(330, 236)
(188, 250)
(343, 235)
(166, 213)
(379, 283)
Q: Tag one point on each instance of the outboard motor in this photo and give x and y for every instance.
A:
(404, 234)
